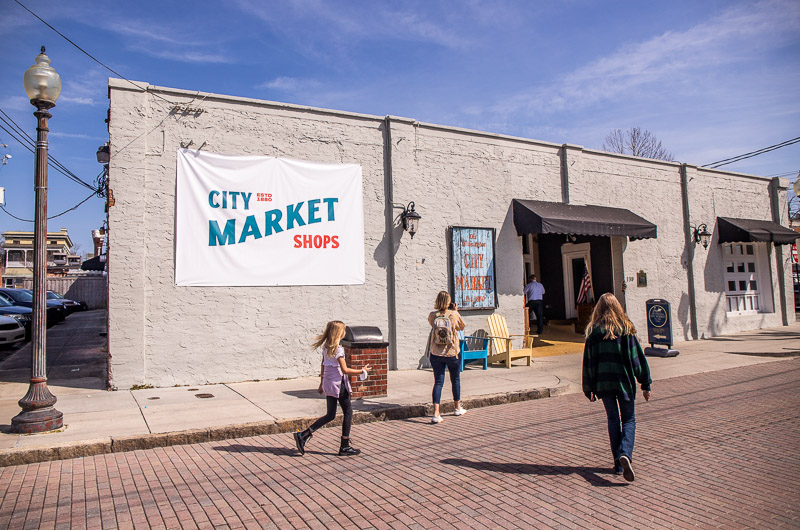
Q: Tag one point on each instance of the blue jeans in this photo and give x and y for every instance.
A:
(453, 365)
(621, 426)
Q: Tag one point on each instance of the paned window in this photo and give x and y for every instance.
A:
(742, 269)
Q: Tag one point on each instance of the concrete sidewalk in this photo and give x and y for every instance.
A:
(98, 421)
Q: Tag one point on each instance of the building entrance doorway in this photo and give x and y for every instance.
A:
(575, 258)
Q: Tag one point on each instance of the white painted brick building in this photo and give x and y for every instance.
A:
(162, 334)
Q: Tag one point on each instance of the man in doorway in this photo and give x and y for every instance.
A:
(534, 294)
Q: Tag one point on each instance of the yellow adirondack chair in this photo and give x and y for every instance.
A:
(501, 343)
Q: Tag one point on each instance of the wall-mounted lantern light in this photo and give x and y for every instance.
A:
(702, 235)
(410, 219)
(103, 155)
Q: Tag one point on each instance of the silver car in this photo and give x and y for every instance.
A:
(11, 331)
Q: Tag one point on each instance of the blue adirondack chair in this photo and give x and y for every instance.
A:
(473, 349)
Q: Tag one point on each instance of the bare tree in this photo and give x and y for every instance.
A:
(636, 142)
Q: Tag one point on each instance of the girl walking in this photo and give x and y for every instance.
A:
(613, 361)
(443, 348)
(335, 384)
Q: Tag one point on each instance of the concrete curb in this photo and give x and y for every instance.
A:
(119, 444)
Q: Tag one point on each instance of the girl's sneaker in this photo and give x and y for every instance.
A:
(460, 411)
(436, 419)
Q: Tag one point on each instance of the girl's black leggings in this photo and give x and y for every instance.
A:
(347, 410)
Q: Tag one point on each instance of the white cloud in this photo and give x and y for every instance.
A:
(290, 84)
(739, 33)
(88, 88)
(165, 42)
(185, 56)
(77, 136)
(316, 24)
(15, 103)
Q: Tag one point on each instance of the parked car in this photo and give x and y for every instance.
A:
(72, 305)
(23, 297)
(23, 315)
(11, 331)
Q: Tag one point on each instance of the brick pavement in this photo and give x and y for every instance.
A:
(720, 449)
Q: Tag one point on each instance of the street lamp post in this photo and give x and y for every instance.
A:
(43, 86)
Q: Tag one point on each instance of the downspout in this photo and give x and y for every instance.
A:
(689, 245)
(564, 175)
(775, 203)
(391, 289)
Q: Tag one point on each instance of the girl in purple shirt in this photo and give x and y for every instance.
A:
(335, 384)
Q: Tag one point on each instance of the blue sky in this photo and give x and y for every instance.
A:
(711, 79)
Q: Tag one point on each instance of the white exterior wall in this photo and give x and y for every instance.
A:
(164, 335)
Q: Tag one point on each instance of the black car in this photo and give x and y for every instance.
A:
(23, 315)
(71, 305)
(23, 297)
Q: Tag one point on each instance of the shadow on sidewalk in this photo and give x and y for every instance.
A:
(277, 451)
(590, 474)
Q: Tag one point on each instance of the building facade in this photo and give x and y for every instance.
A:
(18, 255)
(553, 209)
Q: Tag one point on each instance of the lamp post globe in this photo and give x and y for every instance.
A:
(42, 82)
(43, 86)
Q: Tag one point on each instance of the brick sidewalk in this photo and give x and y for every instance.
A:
(720, 449)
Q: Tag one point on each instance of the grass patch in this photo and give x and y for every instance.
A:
(141, 387)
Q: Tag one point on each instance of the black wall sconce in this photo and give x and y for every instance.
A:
(701, 235)
(410, 219)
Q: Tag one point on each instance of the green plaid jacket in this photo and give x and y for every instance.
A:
(611, 367)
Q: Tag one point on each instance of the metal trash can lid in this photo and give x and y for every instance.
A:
(363, 338)
(363, 334)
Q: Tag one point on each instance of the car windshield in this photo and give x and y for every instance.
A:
(20, 295)
(53, 296)
(4, 302)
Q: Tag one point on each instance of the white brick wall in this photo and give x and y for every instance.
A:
(165, 335)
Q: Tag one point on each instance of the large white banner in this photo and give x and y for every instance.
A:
(258, 220)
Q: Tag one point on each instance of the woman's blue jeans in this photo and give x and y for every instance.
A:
(453, 365)
(621, 426)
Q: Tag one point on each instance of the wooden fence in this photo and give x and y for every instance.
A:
(90, 289)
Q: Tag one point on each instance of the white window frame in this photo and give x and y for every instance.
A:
(747, 268)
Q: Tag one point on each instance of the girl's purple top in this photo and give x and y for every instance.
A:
(332, 373)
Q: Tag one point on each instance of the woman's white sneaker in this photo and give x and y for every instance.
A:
(436, 419)
(460, 411)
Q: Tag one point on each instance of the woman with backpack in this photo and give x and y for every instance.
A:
(443, 350)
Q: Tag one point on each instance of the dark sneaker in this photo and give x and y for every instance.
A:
(627, 468)
(300, 440)
(349, 451)
(617, 470)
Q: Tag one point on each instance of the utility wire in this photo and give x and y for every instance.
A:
(92, 57)
(51, 217)
(26, 141)
(731, 160)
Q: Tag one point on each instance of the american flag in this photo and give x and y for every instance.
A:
(585, 292)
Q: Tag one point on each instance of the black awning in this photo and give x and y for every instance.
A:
(733, 230)
(539, 217)
(97, 263)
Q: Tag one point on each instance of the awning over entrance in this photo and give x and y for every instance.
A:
(733, 230)
(539, 217)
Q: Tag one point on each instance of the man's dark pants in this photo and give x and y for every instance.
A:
(536, 307)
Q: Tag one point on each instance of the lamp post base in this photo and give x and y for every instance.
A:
(35, 421)
(38, 413)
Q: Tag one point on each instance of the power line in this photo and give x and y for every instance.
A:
(92, 57)
(19, 134)
(751, 154)
(51, 217)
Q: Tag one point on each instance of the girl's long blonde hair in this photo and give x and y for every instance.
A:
(333, 334)
(609, 315)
